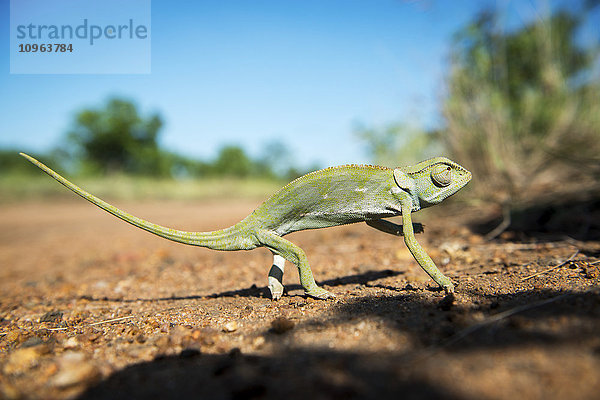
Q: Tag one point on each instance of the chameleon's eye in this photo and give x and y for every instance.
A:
(441, 175)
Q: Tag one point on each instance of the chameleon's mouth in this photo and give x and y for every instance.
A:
(467, 177)
(463, 180)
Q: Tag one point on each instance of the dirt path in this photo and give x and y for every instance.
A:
(91, 307)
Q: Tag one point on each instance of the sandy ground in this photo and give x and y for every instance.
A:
(93, 308)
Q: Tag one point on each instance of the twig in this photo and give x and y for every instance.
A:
(92, 324)
(506, 221)
(553, 268)
(523, 246)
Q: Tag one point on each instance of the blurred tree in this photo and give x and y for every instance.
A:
(275, 163)
(117, 138)
(11, 162)
(232, 160)
(522, 106)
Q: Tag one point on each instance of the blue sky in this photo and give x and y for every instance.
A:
(251, 72)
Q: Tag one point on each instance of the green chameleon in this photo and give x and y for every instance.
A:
(329, 197)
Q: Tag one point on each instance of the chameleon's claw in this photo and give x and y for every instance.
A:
(449, 288)
(319, 293)
(276, 288)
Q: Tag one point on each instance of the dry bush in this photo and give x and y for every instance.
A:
(523, 108)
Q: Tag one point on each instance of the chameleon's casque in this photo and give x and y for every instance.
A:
(320, 199)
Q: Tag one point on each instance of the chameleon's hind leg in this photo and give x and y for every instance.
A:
(295, 255)
(276, 277)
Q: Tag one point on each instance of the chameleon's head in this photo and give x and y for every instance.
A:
(431, 181)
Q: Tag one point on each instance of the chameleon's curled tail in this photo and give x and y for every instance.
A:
(231, 238)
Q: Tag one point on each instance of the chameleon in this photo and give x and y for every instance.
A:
(328, 197)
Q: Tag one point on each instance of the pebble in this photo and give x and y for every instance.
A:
(258, 342)
(52, 316)
(140, 338)
(21, 360)
(231, 326)
(71, 343)
(162, 342)
(32, 342)
(75, 370)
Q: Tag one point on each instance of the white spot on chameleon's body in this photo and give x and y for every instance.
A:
(360, 189)
(325, 196)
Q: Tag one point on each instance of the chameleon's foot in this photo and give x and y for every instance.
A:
(276, 288)
(319, 293)
(448, 288)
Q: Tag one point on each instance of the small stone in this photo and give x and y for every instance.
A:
(231, 326)
(282, 325)
(21, 360)
(47, 370)
(178, 335)
(52, 316)
(162, 342)
(72, 357)
(76, 375)
(258, 342)
(141, 353)
(207, 336)
(196, 334)
(89, 337)
(32, 342)
(75, 370)
(71, 343)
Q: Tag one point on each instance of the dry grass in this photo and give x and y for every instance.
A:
(16, 187)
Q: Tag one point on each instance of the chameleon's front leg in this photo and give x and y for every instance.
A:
(418, 252)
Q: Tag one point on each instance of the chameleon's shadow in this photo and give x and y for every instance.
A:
(263, 292)
(254, 291)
